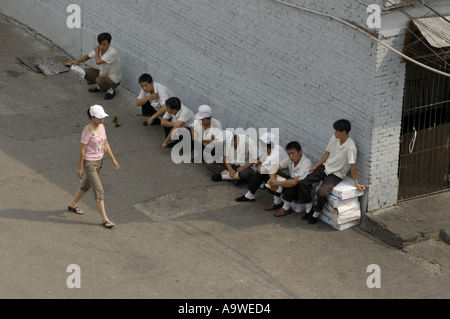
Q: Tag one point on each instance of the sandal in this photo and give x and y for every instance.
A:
(110, 224)
(76, 210)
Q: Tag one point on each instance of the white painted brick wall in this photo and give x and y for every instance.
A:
(263, 64)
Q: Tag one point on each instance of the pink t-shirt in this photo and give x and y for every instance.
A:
(95, 143)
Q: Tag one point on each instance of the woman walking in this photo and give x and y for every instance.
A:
(93, 145)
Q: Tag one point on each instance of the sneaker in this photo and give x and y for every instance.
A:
(216, 177)
(244, 199)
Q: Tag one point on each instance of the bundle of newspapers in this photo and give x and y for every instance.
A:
(342, 210)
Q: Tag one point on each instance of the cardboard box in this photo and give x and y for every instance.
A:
(340, 219)
(336, 201)
(346, 189)
(342, 209)
(329, 222)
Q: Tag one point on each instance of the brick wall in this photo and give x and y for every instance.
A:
(257, 63)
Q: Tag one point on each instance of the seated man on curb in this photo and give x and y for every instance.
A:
(340, 156)
(298, 165)
(108, 78)
(205, 130)
(152, 99)
(274, 154)
(177, 117)
(240, 153)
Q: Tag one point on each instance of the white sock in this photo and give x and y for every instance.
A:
(110, 90)
(277, 200)
(308, 207)
(287, 205)
(263, 185)
(316, 214)
(249, 195)
(78, 70)
(226, 177)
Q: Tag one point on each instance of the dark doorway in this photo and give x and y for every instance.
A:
(425, 136)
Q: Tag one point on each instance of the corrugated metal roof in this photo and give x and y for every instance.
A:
(435, 30)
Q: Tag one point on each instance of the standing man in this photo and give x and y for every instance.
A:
(109, 76)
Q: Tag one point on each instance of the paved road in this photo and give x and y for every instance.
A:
(177, 234)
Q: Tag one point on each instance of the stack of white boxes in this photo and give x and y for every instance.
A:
(342, 210)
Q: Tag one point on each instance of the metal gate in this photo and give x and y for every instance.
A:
(425, 137)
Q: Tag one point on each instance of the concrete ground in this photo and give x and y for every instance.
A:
(178, 234)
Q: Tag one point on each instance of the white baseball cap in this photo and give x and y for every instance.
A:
(98, 112)
(267, 137)
(204, 111)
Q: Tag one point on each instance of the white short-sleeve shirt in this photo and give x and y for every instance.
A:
(163, 95)
(215, 128)
(246, 151)
(341, 156)
(294, 171)
(277, 155)
(111, 67)
(184, 114)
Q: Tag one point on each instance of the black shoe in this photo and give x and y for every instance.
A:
(308, 215)
(216, 177)
(244, 199)
(313, 220)
(110, 96)
(96, 89)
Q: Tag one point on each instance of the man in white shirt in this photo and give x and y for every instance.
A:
(298, 165)
(340, 156)
(152, 99)
(240, 154)
(109, 76)
(177, 117)
(205, 131)
(269, 161)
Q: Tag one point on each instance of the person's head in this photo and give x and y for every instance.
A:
(173, 105)
(294, 151)
(342, 128)
(204, 114)
(266, 142)
(104, 41)
(146, 82)
(97, 114)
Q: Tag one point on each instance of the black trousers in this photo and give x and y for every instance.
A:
(288, 194)
(305, 187)
(148, 110)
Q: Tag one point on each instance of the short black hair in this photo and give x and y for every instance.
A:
(342, 125)
(294, 145)
(104, 36)
(146, 78)
(174, 103)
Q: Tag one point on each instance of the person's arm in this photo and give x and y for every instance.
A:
(110, 154)
(355, 178)
(83, 59)
(158, 113)
(289, 183)
(230, 169)
(98, 59)
(81, 160)
(176, 125)
(321, 161)
(140, 102)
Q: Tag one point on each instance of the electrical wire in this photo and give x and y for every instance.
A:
(365, 33)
